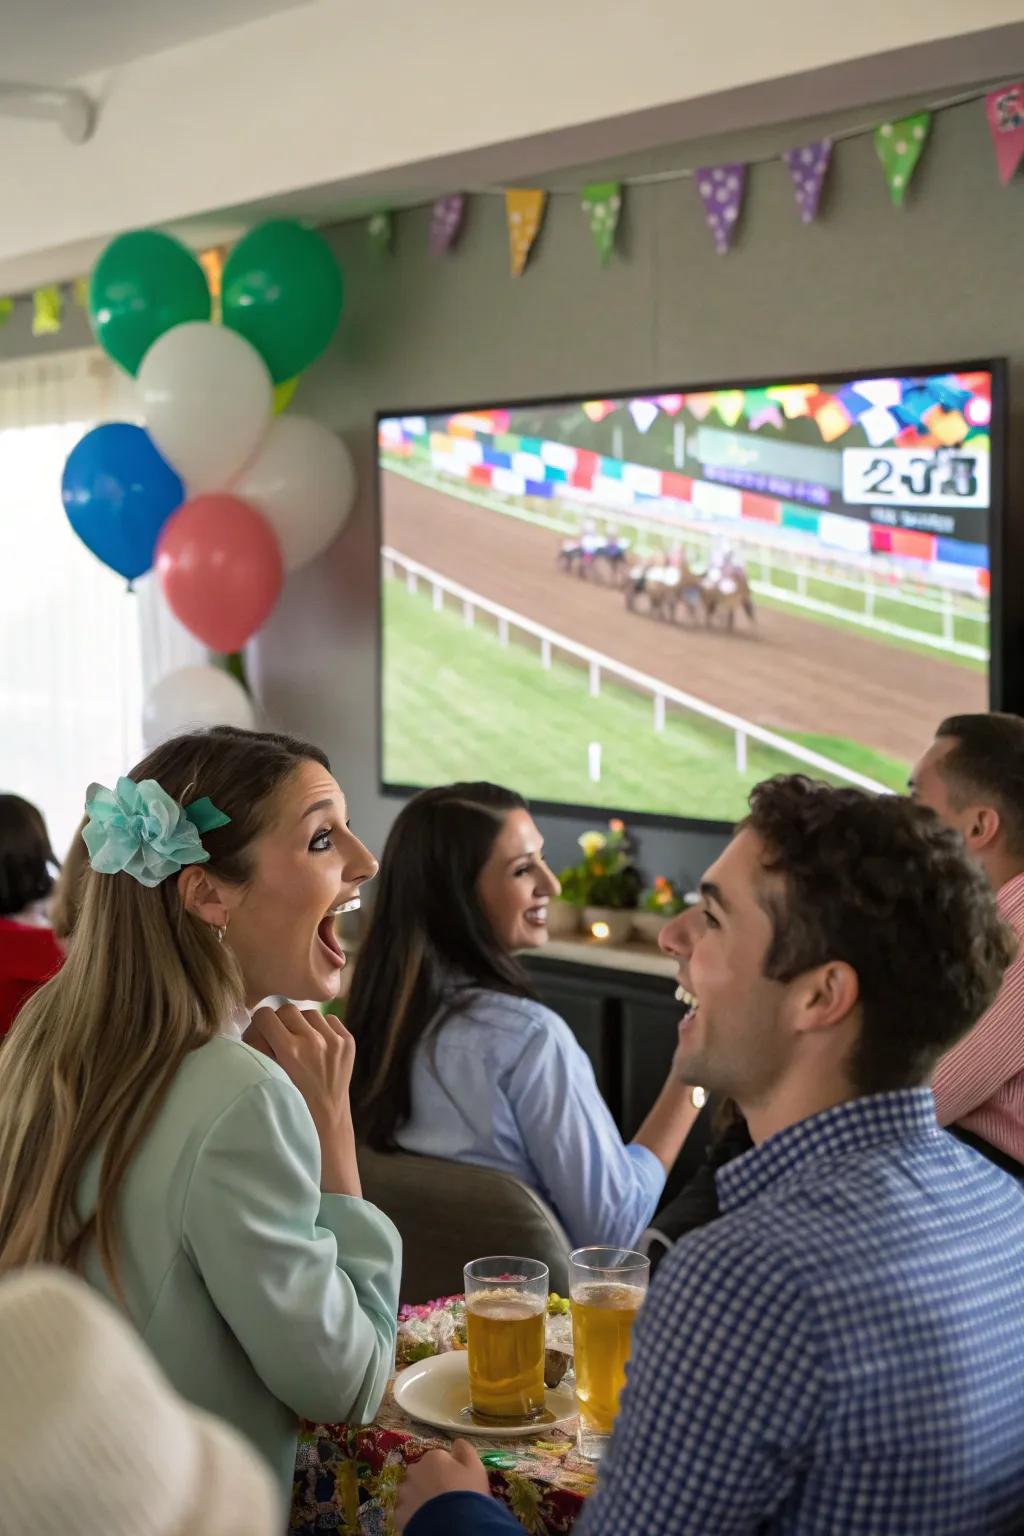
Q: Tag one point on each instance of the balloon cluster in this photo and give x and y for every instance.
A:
(219, 492)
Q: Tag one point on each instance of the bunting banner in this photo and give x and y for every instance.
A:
(80, 292)
(1005, 111)
(721, 191)
(6, 311)
(380, 231)
(807, 168)
(899, 147)
(48, 304)
(602, 204)
(446, 222)
(524, 210)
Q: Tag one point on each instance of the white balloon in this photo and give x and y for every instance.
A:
(192, 698)
(304, 482)
(208, 398)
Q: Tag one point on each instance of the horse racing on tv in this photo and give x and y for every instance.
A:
(649, 603)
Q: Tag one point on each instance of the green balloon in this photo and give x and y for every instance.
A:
(282, 291)
(144, 283)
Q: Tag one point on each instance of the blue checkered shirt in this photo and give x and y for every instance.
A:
(842, 1352)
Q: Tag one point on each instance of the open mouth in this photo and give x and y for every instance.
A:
(684, 996)
(537, 916)
(328, 940)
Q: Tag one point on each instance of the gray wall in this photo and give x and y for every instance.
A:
(867, 285)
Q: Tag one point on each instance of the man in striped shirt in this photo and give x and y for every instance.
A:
(972, 776)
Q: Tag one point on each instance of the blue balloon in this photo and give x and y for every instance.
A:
(118, 493)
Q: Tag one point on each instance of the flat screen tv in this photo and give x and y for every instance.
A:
(645, 603)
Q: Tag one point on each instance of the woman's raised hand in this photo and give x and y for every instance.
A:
(318, 1053)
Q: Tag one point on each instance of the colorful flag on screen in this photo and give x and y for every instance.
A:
(807, 167)
(721, 191)
(48, 304)
(644, 414)
(899, 147)
(1005, 111)
(602, 203)
(446, 222)
(380, 232)
(524, 210)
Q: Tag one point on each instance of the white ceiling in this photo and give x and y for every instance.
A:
(47, 42)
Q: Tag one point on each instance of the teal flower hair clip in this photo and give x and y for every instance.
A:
(140, 830)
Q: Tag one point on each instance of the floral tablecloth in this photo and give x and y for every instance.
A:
(347, 1477)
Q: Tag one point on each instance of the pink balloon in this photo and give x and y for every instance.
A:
(220, 567)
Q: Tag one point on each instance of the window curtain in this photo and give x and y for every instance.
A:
(78, 652)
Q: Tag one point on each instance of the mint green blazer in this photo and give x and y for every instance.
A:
(263, 1300)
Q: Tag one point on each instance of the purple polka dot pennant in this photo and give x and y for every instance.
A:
(721, 192)
(445, 222)
(808, 167)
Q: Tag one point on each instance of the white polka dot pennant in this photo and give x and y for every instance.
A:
(602, 203)
(524, 212)
(899, 147)
(445, 222)
(807, 168)
(721, 191)
(380, 230)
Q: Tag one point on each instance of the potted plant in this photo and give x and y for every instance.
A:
(658, 903)
(605, 883)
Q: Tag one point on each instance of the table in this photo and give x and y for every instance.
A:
(347, 1476)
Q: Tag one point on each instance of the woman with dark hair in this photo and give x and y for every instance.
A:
(456, 1057)
(29, 953)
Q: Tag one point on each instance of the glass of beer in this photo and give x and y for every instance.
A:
(606, 1289)
(506, 1302)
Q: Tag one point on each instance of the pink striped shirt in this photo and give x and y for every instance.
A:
(979, 1084)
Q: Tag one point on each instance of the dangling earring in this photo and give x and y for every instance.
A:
(220, 932)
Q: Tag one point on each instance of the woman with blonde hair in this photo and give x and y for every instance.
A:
(205, 1181)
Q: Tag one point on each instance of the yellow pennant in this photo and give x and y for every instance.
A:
(524, 209)
(212, 263)
(283, 393)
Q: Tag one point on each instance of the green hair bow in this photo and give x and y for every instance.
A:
(139, 830)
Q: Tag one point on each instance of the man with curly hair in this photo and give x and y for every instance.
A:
(843, 1348)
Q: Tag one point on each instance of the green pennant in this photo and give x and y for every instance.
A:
(602, 203)
(381, 230)
(899, 147)
(6, 311)
(49, 303)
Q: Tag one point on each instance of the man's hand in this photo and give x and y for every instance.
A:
(438, 1472)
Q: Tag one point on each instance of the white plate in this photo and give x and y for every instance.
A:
(436, 1390)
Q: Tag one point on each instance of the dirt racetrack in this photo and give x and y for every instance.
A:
(787, 673)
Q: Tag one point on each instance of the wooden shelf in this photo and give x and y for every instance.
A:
(640, 959)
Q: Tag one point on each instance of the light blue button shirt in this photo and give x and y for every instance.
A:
(505, 1085)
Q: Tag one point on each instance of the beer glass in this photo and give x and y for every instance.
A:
(506, 1303)
(606, 1289)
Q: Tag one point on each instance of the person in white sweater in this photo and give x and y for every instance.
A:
(92, 1437)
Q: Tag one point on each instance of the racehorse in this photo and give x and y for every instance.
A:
(725, 589)
(666, 585)
(583, 554)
